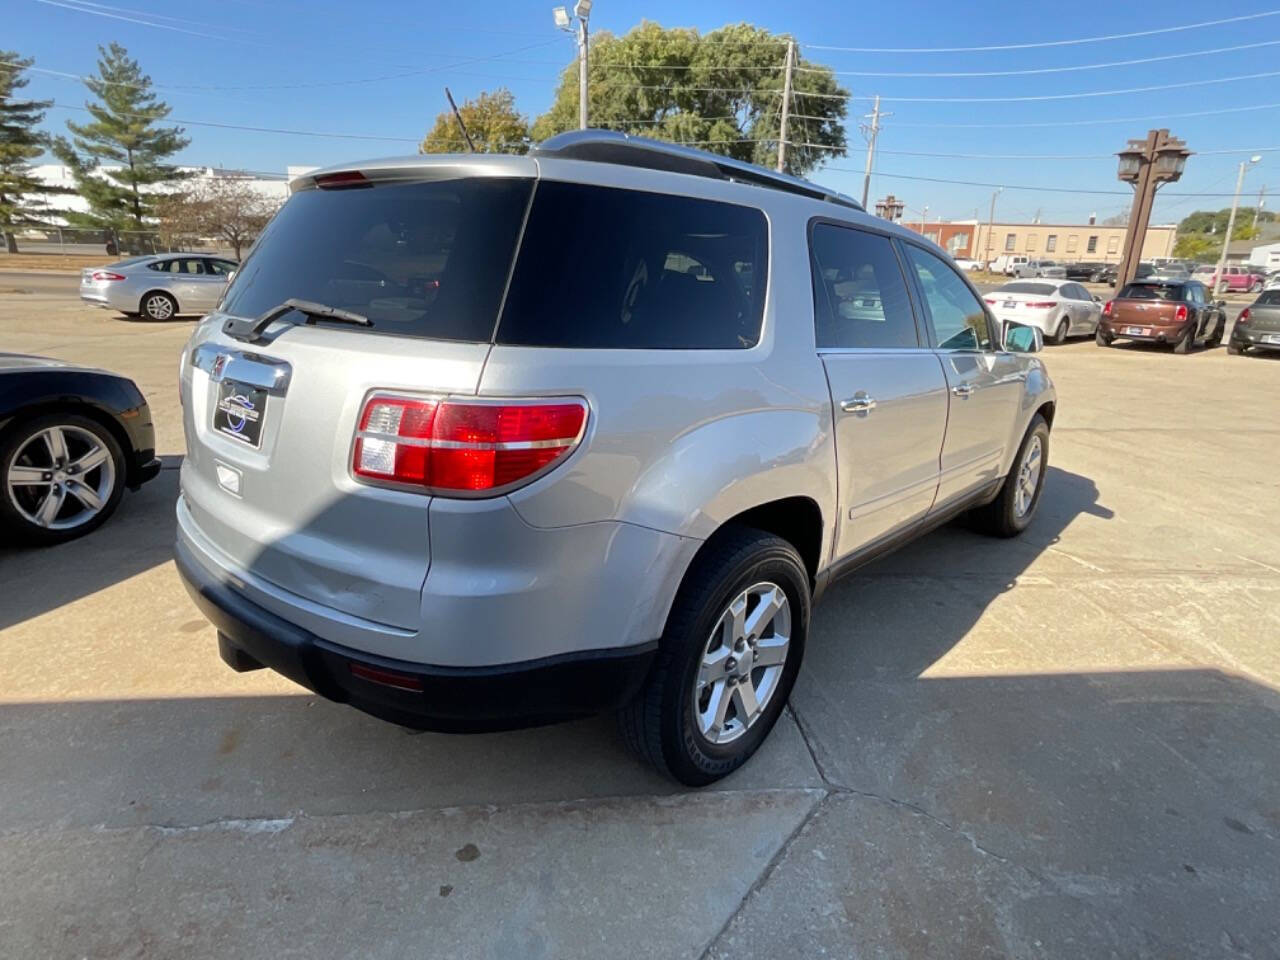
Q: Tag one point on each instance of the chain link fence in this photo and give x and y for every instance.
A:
(114, 243)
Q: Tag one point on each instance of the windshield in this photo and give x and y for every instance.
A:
(1040, 289)
(1151, 291)
(418, 259)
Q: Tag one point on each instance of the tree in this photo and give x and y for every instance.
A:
(124, 133)
(1200, 233)
(492, 122)
(722, 91)
(226, 207)
(21, 192)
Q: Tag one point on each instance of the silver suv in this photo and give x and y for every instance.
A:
(482, 441)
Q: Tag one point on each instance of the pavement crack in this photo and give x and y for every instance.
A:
(764, 875)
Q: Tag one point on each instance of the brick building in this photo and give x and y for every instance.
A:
(1050, 241)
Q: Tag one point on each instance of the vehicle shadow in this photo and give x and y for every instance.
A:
(138, 537)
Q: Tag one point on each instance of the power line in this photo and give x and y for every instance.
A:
(1008, 186)
(1050, 43)
(1157, 118)
(1042, 70)
(251, 129)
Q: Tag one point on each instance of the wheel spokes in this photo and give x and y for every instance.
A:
(85, 494)
(772, 652)
(28, 477)
(91, 460)
(51, 507)
(56, 442)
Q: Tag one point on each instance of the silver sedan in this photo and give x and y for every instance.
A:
(158, 287)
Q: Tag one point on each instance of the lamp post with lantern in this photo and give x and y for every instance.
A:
(890, 208)
(581, 12)
(1145, 165)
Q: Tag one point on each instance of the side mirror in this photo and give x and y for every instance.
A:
(1019, 338)
(1096, 298)
(1221, 303)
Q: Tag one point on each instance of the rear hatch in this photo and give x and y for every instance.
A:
(271, 418)
(1264, 313)
(1144, 305)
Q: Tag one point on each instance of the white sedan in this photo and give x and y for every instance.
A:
(1060, 308)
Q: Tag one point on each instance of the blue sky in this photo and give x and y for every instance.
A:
(378, 69)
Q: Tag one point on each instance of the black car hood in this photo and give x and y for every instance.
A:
(25, 363)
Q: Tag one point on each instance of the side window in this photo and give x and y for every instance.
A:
(859, 294)
(220, 268)
(192, 266)
(641, 271)
(957, 317)
(161, 266)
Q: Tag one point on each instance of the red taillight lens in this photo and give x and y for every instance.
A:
(1181, 313)
(1040, 304)
(106, 275)
(988, 300)
(1244, 316)
(463, 446)
(1106, 310)
(338, 181)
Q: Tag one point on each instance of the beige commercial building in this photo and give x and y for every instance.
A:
(1048, 241)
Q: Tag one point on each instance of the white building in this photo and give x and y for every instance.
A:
(55, 174)
(1267, 255)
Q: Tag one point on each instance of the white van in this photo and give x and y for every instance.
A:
(1007, 263)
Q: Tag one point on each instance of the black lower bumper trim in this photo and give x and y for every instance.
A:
(454, 699)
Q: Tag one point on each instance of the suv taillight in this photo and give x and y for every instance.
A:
(1106, 310)
(463, 447)
(1181, 313)
(1244, 316)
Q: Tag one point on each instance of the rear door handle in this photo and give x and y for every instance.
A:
(962, 390)
(860, 402)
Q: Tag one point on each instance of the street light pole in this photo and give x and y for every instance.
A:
(1219, 273)
(581, 11)
(991, 225)
(1146, 164)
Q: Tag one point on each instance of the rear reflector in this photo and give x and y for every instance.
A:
(105, 275)
(387, 678)
(462, 447)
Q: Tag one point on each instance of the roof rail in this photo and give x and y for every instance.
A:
(611, 146)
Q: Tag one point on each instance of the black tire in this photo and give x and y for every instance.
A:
(1215, 339)
(1100, 338)
(1060, 334)
(1235, 349)
(659, 725)
(1000, 518)
(153, 306)
(1186, 341)
(1257, 287)
(14, 525)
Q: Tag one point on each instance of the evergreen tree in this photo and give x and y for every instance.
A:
(21, 192)
(121, 153)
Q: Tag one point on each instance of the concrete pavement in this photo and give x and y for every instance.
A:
(1064, 745)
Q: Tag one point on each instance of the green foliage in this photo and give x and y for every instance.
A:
(492, 121)
(1200, 247)
(124, 134)
(723, 90)
(22, 194)
(1215, 222)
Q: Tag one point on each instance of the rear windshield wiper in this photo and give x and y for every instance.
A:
(251, 328)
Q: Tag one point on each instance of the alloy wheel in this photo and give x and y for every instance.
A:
(159, 307)
(742, 662)
(61, 477)
(1028, 477)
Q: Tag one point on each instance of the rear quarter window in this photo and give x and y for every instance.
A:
(606, 268)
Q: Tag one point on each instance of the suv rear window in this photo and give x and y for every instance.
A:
(1152, 291)
(607, 268)
(1268, 298)
(418, 259)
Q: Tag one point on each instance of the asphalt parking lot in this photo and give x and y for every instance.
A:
(1066, 745)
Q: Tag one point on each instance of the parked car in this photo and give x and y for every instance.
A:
(1234, 279)
(966, 264)
(1141, 272)
(1258, 326)
(1273, 281)
(1163, 311)
(158, 287)
(72, 439)
(1057, 308)
(1175, 272)
(599, 469)
(1007, 263)
(1088, 271)
(1040, 268)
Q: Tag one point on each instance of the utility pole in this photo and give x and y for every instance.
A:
(786, 107)
(457, 116)
(871, 131)
(1145, 165)
(1219, 273)
(991, 226)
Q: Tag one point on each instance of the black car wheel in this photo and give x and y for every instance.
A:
(1100, 338)
(1014, 507)
(1186, 341)
(1060, 335)
(1235, 349)
(726, 661)
(63, 475)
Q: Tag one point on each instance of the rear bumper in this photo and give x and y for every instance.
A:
(1155, 332)
(1254, 338)
(422, 696)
